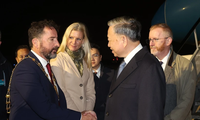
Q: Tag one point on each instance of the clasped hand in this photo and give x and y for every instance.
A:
(88, 115)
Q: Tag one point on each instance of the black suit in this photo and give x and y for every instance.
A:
(102, 86)
(33, 97)
(139, 91)
(5, 72)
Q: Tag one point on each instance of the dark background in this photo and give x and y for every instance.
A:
(16, 17)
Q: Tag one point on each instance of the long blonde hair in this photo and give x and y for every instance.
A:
(86, 45)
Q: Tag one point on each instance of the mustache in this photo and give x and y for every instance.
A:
(152, 47)
(55, 48)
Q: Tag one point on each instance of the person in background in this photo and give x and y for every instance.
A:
(21, 52)
(138, 90)
(5, 72)
(180, 74)
(73, 70)
(34, 92)
(102, 77)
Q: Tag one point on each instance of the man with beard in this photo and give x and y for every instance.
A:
(34, 92)
(179, 74)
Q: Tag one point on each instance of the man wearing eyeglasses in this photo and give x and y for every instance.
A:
(179, 73)
(102, 77)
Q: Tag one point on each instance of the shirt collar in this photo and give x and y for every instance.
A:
(98, 70)
(132, 53)
(42, 60)
(165, 59)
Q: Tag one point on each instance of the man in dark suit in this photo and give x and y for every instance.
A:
(102, 78)
(34, 92)
(138, 92)
(5, 72)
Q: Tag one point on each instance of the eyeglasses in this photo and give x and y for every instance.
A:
(154, 40)
(95, 55)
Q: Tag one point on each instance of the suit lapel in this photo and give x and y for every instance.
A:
(73, 66)
(101, 71)
(168, 72)
(169, 69)
(129, 68)
(33, 56)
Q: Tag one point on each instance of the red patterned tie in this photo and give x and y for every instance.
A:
(49, 70)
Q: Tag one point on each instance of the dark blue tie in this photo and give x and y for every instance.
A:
(161, 62)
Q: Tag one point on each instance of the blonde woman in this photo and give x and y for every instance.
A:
(72, 68)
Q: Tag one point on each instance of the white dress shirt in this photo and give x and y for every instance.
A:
(132, 54)
(165, 60)
(98, 71)
(44, 63)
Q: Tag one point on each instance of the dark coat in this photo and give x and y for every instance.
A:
(33, 96)
(139, 91)
(102, 86)
(5, 72)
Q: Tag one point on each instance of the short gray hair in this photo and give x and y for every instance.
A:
(127, 26)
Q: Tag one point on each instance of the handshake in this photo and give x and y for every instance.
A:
(88, 115)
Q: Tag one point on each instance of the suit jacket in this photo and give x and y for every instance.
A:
(139, 91)
(5, 72)
(102, 86)
(79, 90)
(33, 97)
(180, 74)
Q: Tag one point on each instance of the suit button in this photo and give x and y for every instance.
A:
(110, 95)
(81, 85)
(81, 97)
(107, 114)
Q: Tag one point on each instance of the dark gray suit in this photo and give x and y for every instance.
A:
(139, 91)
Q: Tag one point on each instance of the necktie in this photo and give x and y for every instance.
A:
(49, 70)
(55, 87)
(121, 67)
(95, 73)
(161, 62)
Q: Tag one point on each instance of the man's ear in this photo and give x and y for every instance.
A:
(16, 59)
(35, 42)
(0, 42)
(168, 41)
(124, 40)
(100, 57)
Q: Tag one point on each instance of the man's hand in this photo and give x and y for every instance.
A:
(88, 115)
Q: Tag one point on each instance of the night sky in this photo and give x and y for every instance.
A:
(17, 15)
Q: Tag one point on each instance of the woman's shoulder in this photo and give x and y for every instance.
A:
(59, 57)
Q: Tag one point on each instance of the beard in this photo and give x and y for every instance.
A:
(156, 50)
(48, 54)
(52, 53)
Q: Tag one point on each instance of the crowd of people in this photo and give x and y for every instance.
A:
(68, 81)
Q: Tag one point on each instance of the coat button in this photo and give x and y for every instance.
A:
(110, 95)
(81, 97)
(107, 114)
(81, 85)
